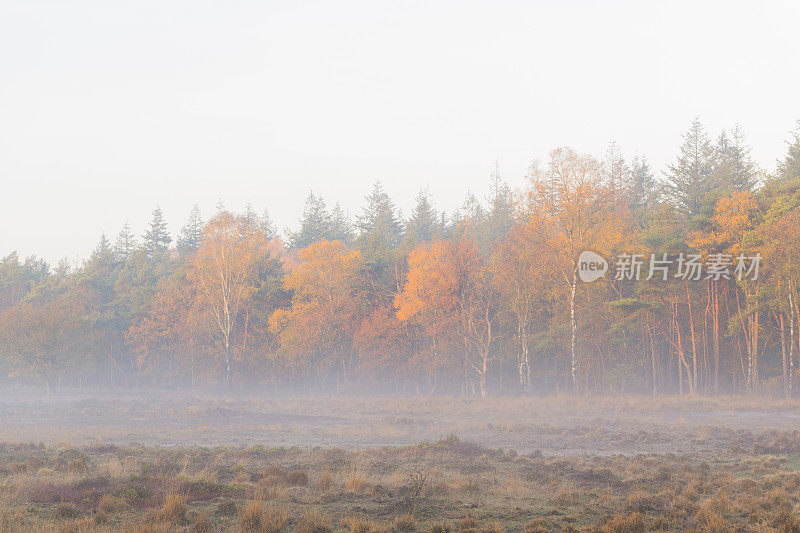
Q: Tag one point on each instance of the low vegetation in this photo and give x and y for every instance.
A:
(444, 486)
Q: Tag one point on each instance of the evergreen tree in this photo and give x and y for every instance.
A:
(380, 230)
(157, 238)
(500, 216)
(63, 268)
(789, 168)
(340, 228)
(472, 211)
(745, 171)
(425, 223)
(643, 183)
(125, 243)
(103, 249)
(314, 225)
(192, 233)
(469, 219)
(689, 178)
(618, 174)
(734, 170)
(268, 226)
(99, 273)
(251, 219)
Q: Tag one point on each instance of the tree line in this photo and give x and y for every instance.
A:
(486, 300)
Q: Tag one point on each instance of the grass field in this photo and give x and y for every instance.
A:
(617, 464)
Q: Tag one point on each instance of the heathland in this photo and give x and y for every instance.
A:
(97, 462)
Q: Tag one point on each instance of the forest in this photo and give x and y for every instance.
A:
(483, 301)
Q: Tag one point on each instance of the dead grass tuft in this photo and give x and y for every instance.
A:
(66, 510)
(357, 524)
(111, 504)
(256, 516)
(404, 523)
(440, 527)
(173, 510)
(325, 481)
(80, 525)
(202, 523)
(467, 523)
(355, 480)
(626, 523)
(313, 521)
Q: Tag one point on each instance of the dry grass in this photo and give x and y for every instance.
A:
(111, 504)
(720, 479)
(358, 524)
(355, 480)
(630, 523)
(258, 516)
(314, 521)
(404, 523)
(325, 481)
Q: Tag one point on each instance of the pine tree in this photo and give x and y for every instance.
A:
(268, 227)
(471, 211)
(380, 215)
(617, 172)
(63, 268)
(469, 219)
(192, 233)
(789, 168)
(125, 243)
(425, 223)
(100, 272)
(745, 170)
(314, 225)
(689, 178)
(102, 250)
(380, 230)
(734, 170)
(500, 216)
(157, 238)
(643, 183)
(250, 218)
(340, 228)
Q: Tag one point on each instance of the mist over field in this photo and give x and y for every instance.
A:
(412, 267)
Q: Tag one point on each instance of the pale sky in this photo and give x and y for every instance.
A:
(108, 108)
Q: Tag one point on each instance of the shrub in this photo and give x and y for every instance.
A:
(77, 466)
(226, 508)
(67, 510)
(297, 477)
(639, 501)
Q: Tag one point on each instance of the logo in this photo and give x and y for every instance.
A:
(591, 266)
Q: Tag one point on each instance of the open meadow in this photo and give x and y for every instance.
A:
(93, 462)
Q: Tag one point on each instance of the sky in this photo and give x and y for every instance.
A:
(109, 108)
